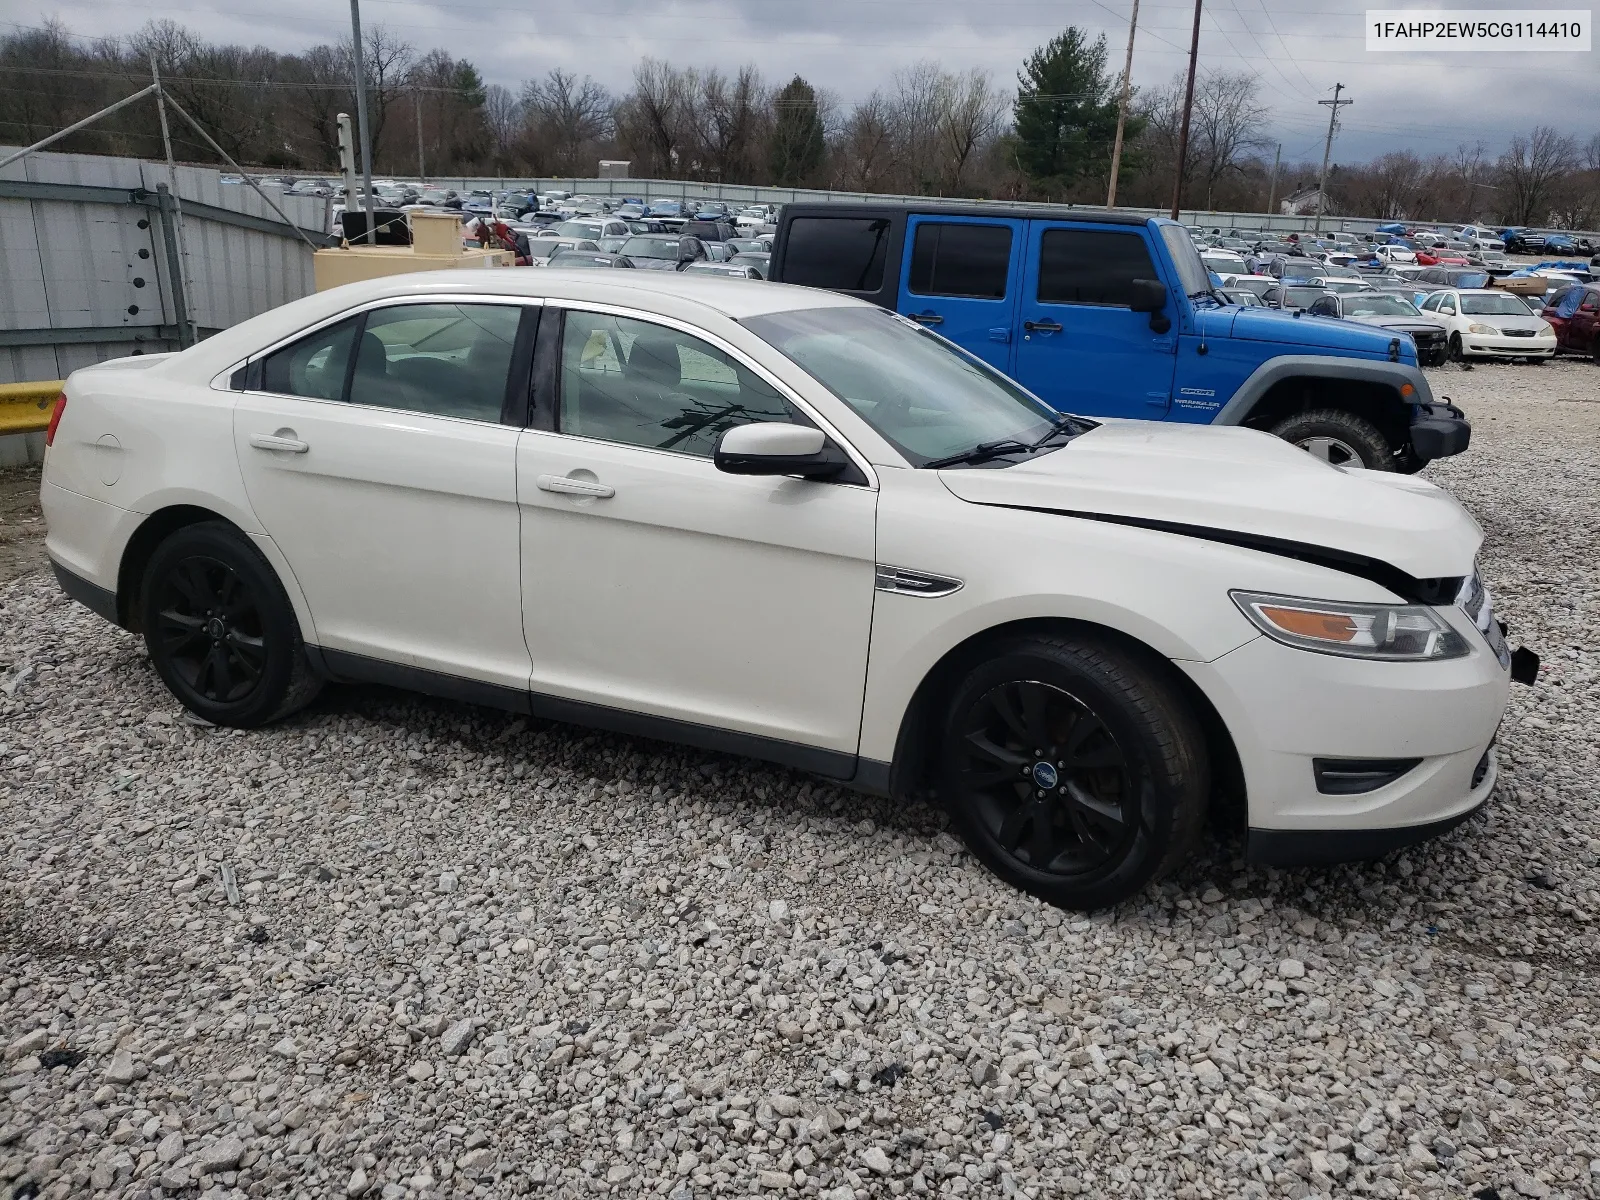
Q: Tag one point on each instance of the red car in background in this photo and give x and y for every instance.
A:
(1574, 313)
(1440, 257)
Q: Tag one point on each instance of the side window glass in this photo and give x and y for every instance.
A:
(961, 260)
(646, 385)
(1085, 266)
(846, 254)
(313, 367)
(450, 360)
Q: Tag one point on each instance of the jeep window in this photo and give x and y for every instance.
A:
(843, 254)
(953, 259)
(923, 394)
(1097, 266)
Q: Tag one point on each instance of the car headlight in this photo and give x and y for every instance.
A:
(1475, 327)
(1545, 328)
(1389, 632)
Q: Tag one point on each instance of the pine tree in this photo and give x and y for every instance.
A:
(797, 137)
(1066, 113)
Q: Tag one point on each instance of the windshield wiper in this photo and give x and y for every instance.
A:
(984, 451)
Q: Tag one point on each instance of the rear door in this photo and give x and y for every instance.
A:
(1081, 348)
(961, 278)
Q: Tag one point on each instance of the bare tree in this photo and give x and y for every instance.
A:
(731, 120)
(653, 118)
(564, 115)
(864, 158)
(1226, 125)
(502, 114)
(917, 106)
(973, 111)
(1529, 171)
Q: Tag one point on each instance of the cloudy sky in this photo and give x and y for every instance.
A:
(1297, 49)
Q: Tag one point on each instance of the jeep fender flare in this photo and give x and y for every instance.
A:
(1323, 366)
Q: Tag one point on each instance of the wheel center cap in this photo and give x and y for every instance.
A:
(215, 629)
(1044, 775)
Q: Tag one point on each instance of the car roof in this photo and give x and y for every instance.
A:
(670, 294)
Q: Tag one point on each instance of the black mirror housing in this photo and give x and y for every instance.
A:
(1148, 296)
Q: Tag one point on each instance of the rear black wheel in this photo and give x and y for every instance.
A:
(220, 630)
(1073, 771)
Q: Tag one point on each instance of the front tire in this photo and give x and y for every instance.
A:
(1456, 351)
(220, 630)
(1338, 437)
(1072, 770)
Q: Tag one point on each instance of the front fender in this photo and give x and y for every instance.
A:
(1322, 366)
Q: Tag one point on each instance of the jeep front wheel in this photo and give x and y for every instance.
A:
(1338, 437)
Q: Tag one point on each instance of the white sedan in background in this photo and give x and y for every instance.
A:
(780, 522)
(1488, 323)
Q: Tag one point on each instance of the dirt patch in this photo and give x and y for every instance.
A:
(21, 523)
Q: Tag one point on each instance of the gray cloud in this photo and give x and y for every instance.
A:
(1296, 48)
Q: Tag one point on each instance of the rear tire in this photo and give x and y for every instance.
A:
(1073, 770)
(1338, 437)
(220, 630)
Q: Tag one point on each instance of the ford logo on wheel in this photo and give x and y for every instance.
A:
(1044, 776)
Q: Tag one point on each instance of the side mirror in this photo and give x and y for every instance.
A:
(777, 448)
(1150, 296)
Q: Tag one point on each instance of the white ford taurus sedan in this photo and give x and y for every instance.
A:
(778, 522)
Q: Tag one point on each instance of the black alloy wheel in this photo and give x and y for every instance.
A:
(220, 630)
(1047, 779)
(1074, 768)
(210, 628)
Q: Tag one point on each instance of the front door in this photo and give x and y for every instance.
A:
(1082, 348)
(374, 454)
(655, 584)
(959, 280)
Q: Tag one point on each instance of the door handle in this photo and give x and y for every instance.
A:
(1042, 326)
(279, 441)
(575, 487)
(927, 318)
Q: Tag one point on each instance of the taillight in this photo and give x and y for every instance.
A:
(55, 419)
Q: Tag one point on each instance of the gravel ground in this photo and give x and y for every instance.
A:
(399, 947)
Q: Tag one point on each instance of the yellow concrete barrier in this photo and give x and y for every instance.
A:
(25, 407)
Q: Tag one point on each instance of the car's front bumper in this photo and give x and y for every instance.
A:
(1487, 346)
(1286, 708)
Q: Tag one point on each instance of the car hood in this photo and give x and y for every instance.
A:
(1399, 324)
(1536, 324)
(1324, 333)
(1239, 481)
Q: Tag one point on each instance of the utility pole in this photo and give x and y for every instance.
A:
(361, 114)
(1188, 105)
(1327, 148)
(1272, 188)
(422, 171)
(1122, 109)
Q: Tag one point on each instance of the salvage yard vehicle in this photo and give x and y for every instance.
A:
(1112, 314)
(1574, 314)
(786, 523)
(1385, 311)
(1488, 323)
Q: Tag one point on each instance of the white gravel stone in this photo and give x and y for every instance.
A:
(404, 865)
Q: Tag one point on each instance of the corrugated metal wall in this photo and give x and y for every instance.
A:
(77, 268)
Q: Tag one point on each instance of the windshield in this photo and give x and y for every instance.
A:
(1345, 285)
(926, 396)
(1378, 306)
(1192, 272)
(579, 229)
(645, 247)
(1300, 297)
(1493, 306)
(1469, 279)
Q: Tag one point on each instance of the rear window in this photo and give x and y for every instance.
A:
(954, 259)
(845, 254)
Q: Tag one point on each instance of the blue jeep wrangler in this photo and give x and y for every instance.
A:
(1109, 314)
